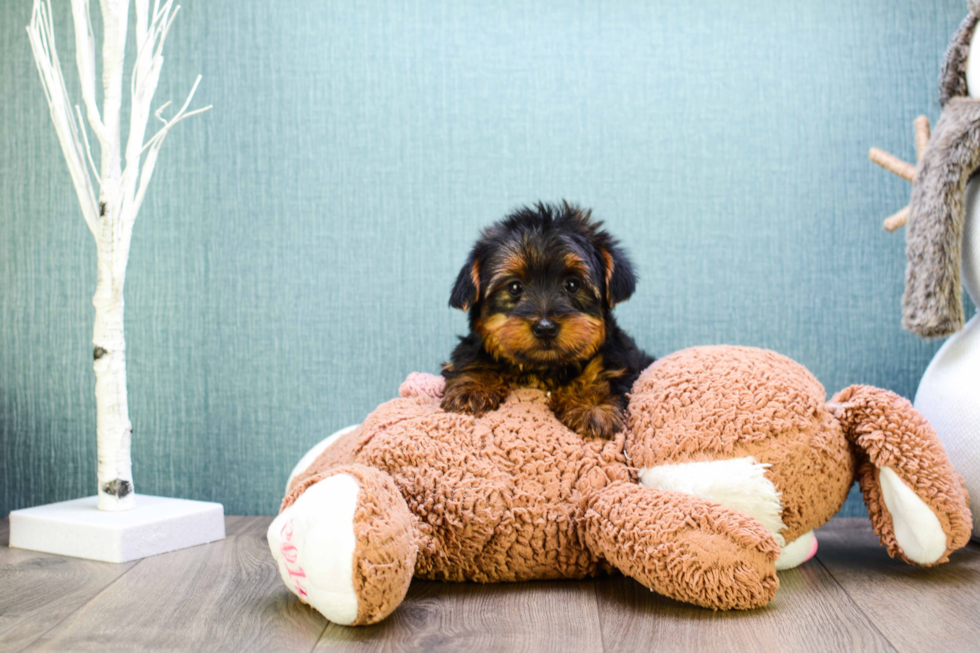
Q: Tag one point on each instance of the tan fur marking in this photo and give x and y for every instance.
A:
(607, 257)
(474, 393)
(490, 328)
(511, 339)
(515, 336)
(475, 278)
(581, 335)
(512, 265)
(586, 406)
(575, 265)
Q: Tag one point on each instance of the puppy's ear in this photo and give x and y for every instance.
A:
(466, 290)
(620, 278)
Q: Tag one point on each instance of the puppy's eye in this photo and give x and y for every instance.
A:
(571, 285)
(515, 289)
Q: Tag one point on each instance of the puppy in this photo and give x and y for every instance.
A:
(540, 286)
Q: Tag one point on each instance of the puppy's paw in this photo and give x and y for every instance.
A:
(472, 396)
(601, 421)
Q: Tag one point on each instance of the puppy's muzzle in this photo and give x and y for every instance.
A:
(544, 329)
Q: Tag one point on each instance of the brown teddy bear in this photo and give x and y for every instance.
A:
(730, 460)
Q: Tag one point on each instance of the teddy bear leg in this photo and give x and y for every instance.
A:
(797, 552)
(345, 543)
(916, 500)
(683, 546)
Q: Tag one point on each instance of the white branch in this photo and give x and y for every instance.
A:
(154, 144)
(143, 85)
(115, 21)
(41, 35)
(142, 8)
(85, 59)
(88, 148)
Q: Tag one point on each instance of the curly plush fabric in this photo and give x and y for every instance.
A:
(493, 504)
(422, 385)
(514, 495)
(496, 498)
(726, 559)
(711, 403)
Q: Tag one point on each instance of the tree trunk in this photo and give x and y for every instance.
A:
(113, 428)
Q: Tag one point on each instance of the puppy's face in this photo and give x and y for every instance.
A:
(540, 283)
(543, 305)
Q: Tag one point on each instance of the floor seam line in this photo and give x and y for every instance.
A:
(856, 604)
(598, 612)
(316, 642)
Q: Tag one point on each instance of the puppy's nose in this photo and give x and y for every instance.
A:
(544, 329)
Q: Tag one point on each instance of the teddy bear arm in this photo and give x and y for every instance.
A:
(682, 546)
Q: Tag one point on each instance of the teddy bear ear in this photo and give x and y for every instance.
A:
(466, 290)
(620, 278)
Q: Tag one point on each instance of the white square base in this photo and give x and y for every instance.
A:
(79, 529)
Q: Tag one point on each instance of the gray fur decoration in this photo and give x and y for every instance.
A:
(933, 303)
(952, 78)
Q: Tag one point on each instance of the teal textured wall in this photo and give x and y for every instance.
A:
(293, 259)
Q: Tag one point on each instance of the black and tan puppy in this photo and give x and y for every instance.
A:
(540, 286)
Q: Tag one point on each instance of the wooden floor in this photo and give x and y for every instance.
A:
(227, 596)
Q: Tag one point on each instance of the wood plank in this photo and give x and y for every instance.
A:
(40, 590)
(558, 616)
(809, 613)
(918, 609)
(225, 595)
(228, 595)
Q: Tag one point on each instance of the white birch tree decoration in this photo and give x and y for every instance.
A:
(111, 212)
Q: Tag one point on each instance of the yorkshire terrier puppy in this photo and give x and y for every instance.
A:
(540, 286)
